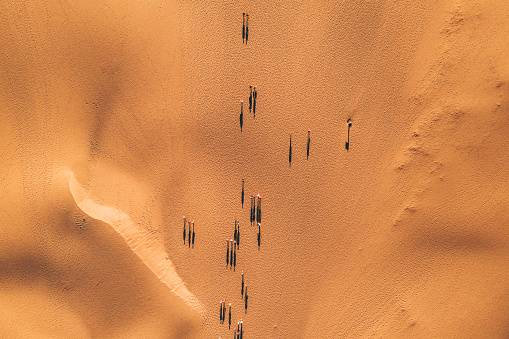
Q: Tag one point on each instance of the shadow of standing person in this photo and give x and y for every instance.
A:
(242, 195)
(255, 96)
(227, 252)
(243, 27)
(247, 27)
(309, 141)
(184, 231)
(347, 143)
(193, 234)
(241, 117)
(290, 152)
(245, 301)
(230, 316)
(259, 236)
(250, 98)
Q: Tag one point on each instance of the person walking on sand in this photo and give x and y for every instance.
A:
(184, 232)
(235, 232)
(255, 95)
(189, 234)
(238, 234)
(252, 209)
(259, 209)
(224, 310)
(250, 98)
(193, 234)
(241, 330)
(230, 316)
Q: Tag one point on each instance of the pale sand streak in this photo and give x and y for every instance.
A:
(149, 250)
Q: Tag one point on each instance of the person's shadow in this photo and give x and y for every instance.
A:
(347, 143)
(309, 141)
(259, 236)
(241, 117)
(290, 152)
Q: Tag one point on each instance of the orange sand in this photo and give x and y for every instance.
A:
(120, 117)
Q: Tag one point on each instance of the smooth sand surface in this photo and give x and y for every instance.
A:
(119, 118)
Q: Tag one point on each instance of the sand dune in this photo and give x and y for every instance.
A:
(146, 246)
(402, 235)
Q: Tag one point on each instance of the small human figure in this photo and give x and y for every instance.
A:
(234, 334)
(243, 27)
(193, 234)
(238, 329)
(259, 209)
(242, 290)
(224, 310)
(189, 234)
(241, 330)
(241, 117)
(235, 232)
(247, 26)
(184, 232)
(347, 143)
(250, 98)
(309, 141)
(238, 234)
(220, 311)
(242, 196)
(252, 209)
(230, 316)
(290, 151)
(227, 252)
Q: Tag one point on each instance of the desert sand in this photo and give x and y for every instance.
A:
(119, 118)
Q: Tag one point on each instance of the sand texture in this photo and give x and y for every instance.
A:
(120, 118)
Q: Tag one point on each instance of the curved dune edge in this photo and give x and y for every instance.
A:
(150, 251)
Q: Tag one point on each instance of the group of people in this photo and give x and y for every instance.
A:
(190, 233)
(239, 331)
(231, 253)
(232, 244)
(253, 94)
(256, 214)
(222, 313)
(245, 27)
(307, 148)
(256, 209)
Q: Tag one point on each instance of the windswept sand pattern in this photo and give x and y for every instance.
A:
(378, 141)
(150, 250)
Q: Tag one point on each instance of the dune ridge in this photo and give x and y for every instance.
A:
(149, 250)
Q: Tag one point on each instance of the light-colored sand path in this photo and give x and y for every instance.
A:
(151, 251)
